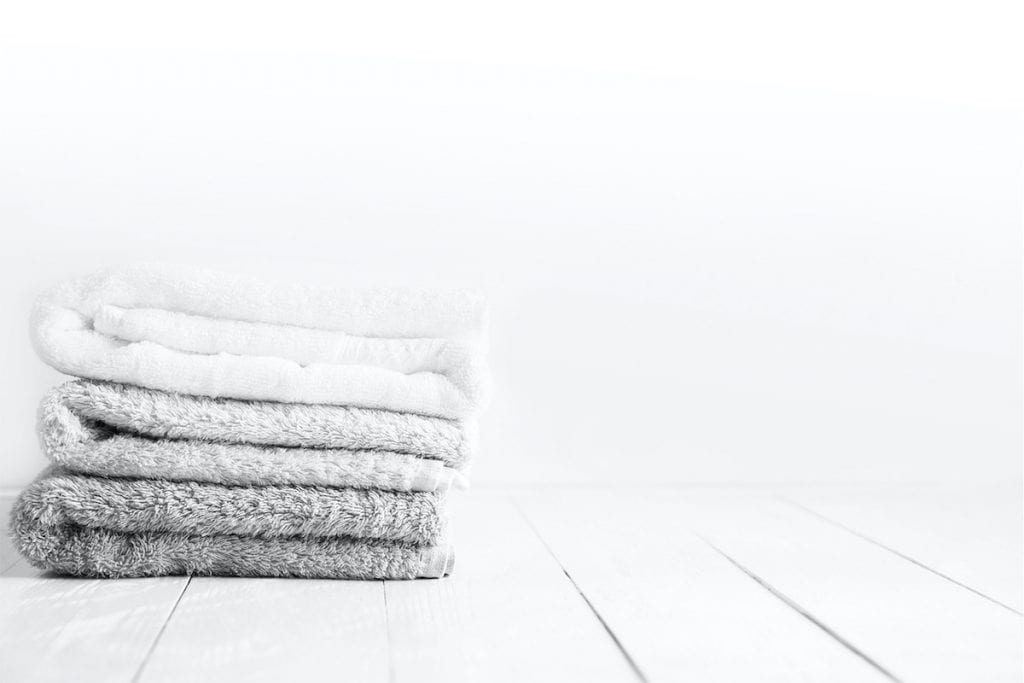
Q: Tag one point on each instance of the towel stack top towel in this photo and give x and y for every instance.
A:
(207, 333)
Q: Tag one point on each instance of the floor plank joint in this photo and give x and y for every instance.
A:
(604, 624)
(163, 627)
(899, 554)
(803, 612)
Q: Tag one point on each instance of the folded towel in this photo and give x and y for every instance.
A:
(159, 414)
(57, 524)
(122, 431)
(213, 334)
(204, 509)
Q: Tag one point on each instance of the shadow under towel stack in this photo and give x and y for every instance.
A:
(223, 425)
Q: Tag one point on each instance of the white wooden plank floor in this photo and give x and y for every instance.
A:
(909, 583)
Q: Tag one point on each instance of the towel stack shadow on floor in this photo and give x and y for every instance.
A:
(223, 425)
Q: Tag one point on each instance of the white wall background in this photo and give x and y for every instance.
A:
(726, 242)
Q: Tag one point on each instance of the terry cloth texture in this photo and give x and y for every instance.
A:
(160, 414)
(214, 334)
(87, 526)
(125, 431)
(204, 509)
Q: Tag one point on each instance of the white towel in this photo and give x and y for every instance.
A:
(207, 333)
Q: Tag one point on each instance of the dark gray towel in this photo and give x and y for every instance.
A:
(94, 526)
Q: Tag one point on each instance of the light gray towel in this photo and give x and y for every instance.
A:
(92, 526)
(122, 430)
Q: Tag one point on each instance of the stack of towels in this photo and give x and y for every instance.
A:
(223, 425)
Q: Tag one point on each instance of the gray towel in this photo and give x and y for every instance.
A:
(122, 430)
(205, 509)
(93, 526)
(86, 427)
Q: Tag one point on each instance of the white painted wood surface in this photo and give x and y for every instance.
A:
(798, 583)
(965, 533)
(917, 625)
(680, 609)
(281, 629)
(62, 629)
(508, 613)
